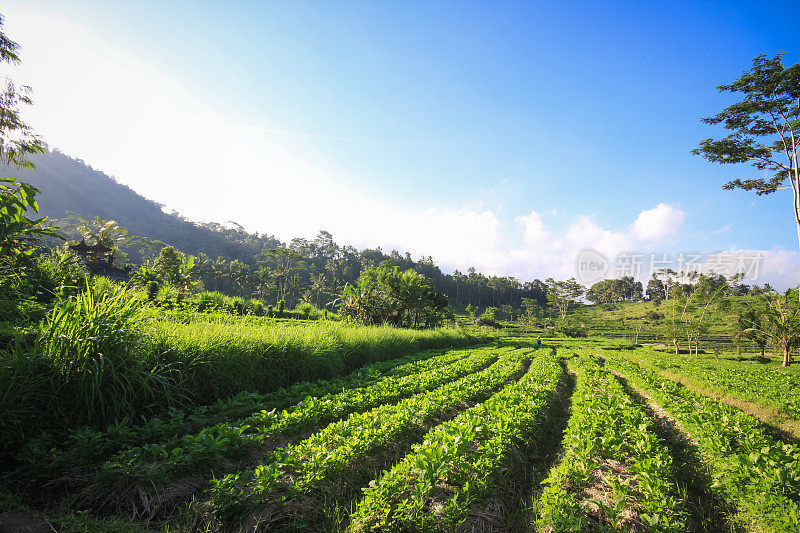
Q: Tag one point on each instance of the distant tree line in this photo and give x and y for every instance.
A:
(314, 271)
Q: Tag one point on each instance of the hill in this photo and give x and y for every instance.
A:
(71, 185)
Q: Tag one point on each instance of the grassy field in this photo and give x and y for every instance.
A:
(581, 435)
(640, 322)
(97, 360)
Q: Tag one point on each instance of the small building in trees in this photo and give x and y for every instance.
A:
(99, 260)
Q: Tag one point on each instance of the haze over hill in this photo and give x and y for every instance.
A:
(70, 184)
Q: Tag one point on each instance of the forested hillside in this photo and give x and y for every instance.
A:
(71, 185)
(233, 260)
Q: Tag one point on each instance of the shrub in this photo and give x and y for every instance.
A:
(100, 356)
(254, 307)
(210, 301)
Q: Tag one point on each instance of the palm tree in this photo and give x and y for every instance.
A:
(780, 324)
(747, 329)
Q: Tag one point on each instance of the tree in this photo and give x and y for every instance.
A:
(18, 233)
(764, 126)
(174, 268)
(747, 328)
(655, 289)
(533, 310)
(383, 294)
(780, 323)
(563, 294)
(17, 140)
(105, 232)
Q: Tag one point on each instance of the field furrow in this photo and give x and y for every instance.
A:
(293, 472)
(757, 473)
(87, 447)
(156, 466)
(766, 385)
(435, 486)
(615, 472)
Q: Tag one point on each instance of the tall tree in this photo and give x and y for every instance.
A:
(18, 233)
(764, 128)
(17, 140)
(563, 294)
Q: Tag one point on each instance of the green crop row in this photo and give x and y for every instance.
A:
(764, 384)
(87, 447)
(611, 453)
(756, 472)
(296, 469)
(156, 465)
(457, 460)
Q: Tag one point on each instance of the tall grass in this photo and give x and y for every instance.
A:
(103, 355)
(103, 358)
(220, 359)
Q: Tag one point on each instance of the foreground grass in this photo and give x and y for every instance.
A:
(102, 359)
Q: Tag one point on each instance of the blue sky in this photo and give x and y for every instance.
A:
(498, 134)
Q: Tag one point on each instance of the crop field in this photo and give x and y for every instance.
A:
(498, 437)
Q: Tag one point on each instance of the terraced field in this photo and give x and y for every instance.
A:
(493, 438)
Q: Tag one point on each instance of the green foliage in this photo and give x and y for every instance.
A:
(571, 327)
(780, 324)
(561, 295)
(456, 462)
(763, 124)
(751, 469)
(84, 447)
(174, 268)
(17, 140)
(607, 425)
(19, 234)
(97, 347)
(756, 382)
(764, 128)
(615, 290)
(301, 469)
(383, 294)
(212, 447)
(106, 232)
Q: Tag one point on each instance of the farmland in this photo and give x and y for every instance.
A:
(574, 436)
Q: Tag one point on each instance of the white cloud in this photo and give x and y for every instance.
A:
(723, 229)
(658, 223)
(535, 232)
(545, 252)
(779, 267)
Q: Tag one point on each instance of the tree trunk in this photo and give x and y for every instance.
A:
(787, 355)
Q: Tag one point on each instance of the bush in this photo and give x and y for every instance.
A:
(210, 301)
(101, 356)
(254, 307)
(170, 297)
(571, 328)
(486, 321)
(653, 316)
